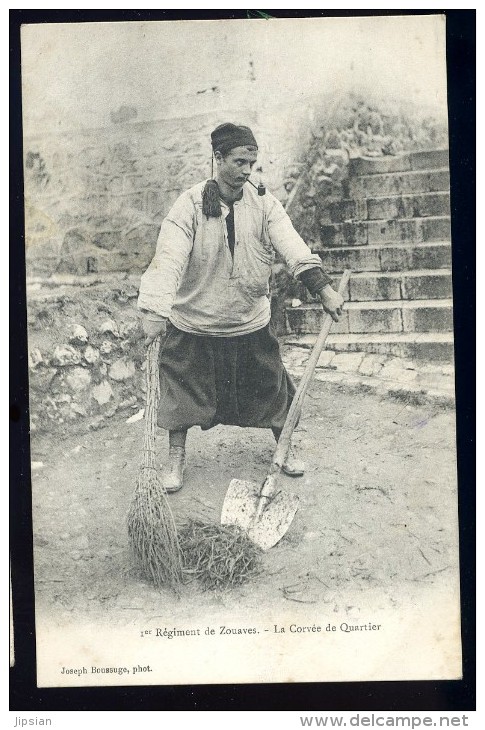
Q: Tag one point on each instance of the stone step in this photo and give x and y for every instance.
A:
(429, 159)
(412, 230)
(416, 205)
(394, 285)
(418, 315)
(391, 257)
(426, 346)
(402, 183)
(423, 160)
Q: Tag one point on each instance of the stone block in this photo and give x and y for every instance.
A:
(79, 409)
(423, 285)
(344, 234)
(398, 375)
(428, 204)
(102, 392)
(385, 231)
(122, 369)
(348, 362)
(376, 319)
(78, 334)
(385, 208)
(40, 381)
(429, 159)
(302, 320)
(107, 240)
(329, 376)
(436, 229)
(432, 346)
(325, 359)
(308, 319)
(379, 165)
(409, 230)
(106, 347)
(356, 259)
(109, 326)
(445, 370)
(409, 206)
(431, 256)
(401, 184)
(342, 326)
(66, 355)
(428, 318)
(374, 288)
(331, 235)
(347, 210)
(372, 364)
(438, 180)
(91, 355)
(427, 256)
(441, 351)
(78, 379)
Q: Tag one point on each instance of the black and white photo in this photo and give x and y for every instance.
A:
(240, 332)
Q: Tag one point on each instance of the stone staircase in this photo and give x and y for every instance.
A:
(393, 232)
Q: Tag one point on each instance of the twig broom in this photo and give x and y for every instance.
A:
(151, 526)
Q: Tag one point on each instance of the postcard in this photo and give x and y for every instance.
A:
(203, 185)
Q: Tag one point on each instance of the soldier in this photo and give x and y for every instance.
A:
(206, 294)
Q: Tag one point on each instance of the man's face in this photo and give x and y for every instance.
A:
(235, 168)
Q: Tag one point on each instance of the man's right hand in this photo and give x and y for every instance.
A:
(153, 328)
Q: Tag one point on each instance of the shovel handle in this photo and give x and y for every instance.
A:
(297, 404)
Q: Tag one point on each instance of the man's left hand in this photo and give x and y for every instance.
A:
(332, 302)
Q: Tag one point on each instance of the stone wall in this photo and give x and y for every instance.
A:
(95, 199)
(86, 352)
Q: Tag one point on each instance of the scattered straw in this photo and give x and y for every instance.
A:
(218, 556)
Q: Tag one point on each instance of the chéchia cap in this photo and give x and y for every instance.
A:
(223, 139)
(227, 136)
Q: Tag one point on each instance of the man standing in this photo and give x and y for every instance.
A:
(206, 293)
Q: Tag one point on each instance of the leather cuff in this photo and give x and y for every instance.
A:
(314, 279)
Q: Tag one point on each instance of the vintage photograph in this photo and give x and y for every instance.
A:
(240, 333)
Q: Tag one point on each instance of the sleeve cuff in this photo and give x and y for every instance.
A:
(314, 279)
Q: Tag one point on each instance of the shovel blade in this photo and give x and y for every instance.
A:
(240, 508)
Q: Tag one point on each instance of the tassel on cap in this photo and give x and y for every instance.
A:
(211, 201)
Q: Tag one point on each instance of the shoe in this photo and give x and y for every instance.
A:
(293, 467)
(173, 477)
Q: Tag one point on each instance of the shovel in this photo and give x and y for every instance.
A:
(266, 512)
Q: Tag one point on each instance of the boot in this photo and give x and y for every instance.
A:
(293, 467)
(173, 477)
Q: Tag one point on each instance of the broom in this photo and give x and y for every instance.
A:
(151, 526)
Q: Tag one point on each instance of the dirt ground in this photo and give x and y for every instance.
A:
(376, 523)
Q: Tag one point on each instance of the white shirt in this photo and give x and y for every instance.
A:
(193, 278)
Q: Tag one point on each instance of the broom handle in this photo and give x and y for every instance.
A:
(152, 400)
(294, 412)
